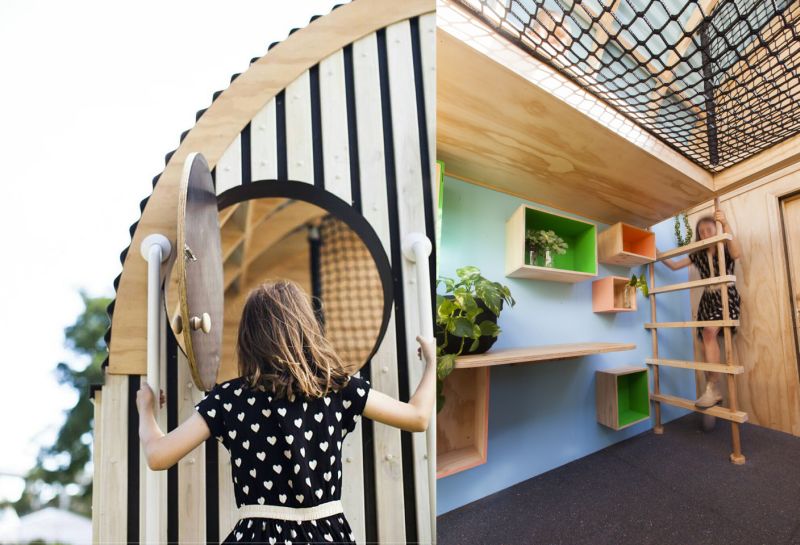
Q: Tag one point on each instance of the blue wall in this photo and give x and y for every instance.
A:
(542, 415)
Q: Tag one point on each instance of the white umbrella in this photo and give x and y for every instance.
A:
(52, 524)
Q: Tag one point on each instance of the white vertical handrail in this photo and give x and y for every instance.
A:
(155, 249)
(416, 248)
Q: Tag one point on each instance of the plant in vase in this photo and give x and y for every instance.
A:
(466, 319)
(633, 284)
(544, 243)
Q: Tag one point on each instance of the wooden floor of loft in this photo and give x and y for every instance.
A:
(668, 489)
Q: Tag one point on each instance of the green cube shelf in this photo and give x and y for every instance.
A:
(622, 396)
(579, 263)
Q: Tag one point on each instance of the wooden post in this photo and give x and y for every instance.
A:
(657, 428)
(736, 456)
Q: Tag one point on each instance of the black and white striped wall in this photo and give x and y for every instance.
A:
(359, 124)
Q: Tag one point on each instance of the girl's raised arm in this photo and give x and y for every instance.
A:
(414, 415)
(676, 264)
(164, 451)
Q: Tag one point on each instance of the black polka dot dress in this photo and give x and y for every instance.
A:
(710, 306)
(285, 452)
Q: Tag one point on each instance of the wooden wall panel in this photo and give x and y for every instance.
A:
(335, 153)
(299, 147)
(388, 475)
(377, 489)
(769, 390)
(111, 481)
(264, 149)
(229, 168)
(191, 469)
(411, 193)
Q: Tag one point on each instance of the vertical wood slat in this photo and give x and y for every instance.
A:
(736, 455)
(263, 148)
(227, 501)
(411, 203)
(388, 450)
(427, 31)
(229, 168)
(97, 457)
(336, 161)
(657, 427)
(299, 148)
(111, 516)
(191, 469)
(333, 100)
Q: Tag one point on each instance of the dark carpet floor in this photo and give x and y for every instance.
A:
(678, 488)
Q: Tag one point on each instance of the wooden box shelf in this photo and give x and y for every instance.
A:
(608, 295)
(622, 396)
(462, 426)
(578, 264)
(626, 245)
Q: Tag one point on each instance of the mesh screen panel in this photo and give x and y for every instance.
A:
(716, 80)
(351, 292)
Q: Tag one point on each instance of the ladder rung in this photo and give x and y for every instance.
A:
(703, 323)
(695, 284)
(716, 410)
(699, 365)
(693, 247)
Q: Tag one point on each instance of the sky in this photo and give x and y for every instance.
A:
(92, 96)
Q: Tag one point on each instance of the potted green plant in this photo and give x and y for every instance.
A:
(544, 243)
(633, 284)
(466, 318)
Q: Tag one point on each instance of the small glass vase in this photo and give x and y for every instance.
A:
(532, 256)
(548, 259)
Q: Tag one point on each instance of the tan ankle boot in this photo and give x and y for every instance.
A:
(710, 397)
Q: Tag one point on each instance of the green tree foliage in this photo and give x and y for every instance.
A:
(65, 461)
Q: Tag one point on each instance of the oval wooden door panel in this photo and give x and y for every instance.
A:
(199, 272)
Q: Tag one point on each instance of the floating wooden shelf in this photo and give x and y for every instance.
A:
(462, 432)
(608, 295)
(578, 264)
(462, 426)
(534, 354)
(626, 245)
(693, 247)
(721, 412)
(621, 396)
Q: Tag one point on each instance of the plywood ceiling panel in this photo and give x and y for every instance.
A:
(496, 129)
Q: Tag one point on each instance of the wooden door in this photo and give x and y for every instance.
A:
(791, 236)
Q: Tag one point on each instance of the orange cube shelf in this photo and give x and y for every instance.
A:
(626, 245)
(608, 295)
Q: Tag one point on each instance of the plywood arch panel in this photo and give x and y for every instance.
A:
(220, 125)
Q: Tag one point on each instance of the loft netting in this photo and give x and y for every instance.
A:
(716, 80)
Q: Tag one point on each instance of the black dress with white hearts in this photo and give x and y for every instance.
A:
(286, 453)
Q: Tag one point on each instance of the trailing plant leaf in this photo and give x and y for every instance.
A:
(456, 312)
(678, 236)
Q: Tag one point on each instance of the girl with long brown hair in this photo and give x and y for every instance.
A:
(284, 419)
(710, 306)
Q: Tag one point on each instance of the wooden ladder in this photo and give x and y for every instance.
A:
(730, 369)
